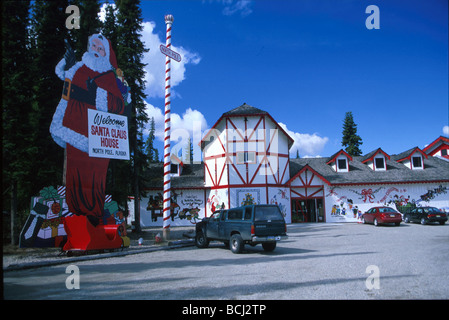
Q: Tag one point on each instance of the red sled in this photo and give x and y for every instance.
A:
(83, 236)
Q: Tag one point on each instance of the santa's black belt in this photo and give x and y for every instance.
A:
(72, 91)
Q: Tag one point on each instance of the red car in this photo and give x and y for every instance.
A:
(380, 215)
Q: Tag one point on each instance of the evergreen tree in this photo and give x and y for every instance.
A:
(130, 50)
(189, 152)
(16, 105)
(351, 140)
(48, 32)
(109, 29)
(119, 183)
(150, 150)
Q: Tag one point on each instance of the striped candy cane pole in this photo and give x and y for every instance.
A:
(167, 162)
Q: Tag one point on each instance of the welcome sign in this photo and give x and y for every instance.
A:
(108, 135)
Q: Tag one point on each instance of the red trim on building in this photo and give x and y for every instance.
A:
(441, 139)
(306, 167)
(412, 153)
(334, 158)
(375, 154)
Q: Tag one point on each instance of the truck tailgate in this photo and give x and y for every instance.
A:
(269, 228)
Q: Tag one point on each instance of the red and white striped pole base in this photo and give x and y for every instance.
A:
(167, 162)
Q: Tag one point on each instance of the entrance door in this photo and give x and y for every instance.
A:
(307, 210)
(299, 211)
(311, 210)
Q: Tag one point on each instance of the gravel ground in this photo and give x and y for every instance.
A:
(19, 258)
(318, 261)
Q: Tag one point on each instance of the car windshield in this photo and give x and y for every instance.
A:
(431, 210)
(268, 213)
(387, 210)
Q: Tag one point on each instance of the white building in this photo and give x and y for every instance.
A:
(246, 160)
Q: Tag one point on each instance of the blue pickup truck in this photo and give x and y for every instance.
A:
(236, 227)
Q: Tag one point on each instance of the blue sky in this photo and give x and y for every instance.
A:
(306, 62)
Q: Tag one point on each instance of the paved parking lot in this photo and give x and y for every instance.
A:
(318, 261)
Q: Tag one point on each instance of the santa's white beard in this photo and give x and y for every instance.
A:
(96, 63)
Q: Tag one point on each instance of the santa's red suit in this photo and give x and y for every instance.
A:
(89, 84)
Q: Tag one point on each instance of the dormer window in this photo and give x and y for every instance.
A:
(376, 160)
(379, 163)
(340, 161)
(342, 164)
(417, 162)
(412, 159)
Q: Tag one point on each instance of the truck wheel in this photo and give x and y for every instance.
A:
(236, 243)
(201, 240)
(269, 246)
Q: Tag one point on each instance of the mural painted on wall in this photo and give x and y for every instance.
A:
(155, 206)
(186, 207)
(350, 204)
(281, 198)
(247, 197)
(218, 199)
(45, 224)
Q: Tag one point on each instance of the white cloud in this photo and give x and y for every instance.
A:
(446, 130)
(155, 63)
(158, 115)
(240, 6)
(309, 145)
(191, 124)
(231, 7)
(155, 60)
(102, 13)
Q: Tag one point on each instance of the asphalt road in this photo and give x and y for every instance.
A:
(318, 261)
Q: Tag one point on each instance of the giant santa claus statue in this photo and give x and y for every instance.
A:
(88, 84)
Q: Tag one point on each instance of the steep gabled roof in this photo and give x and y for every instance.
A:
(241, 111)
(370, 156)
(436, 169)
(301, 170)
(335, 155)
(406, 155)
(435, 144)
(244, 110)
